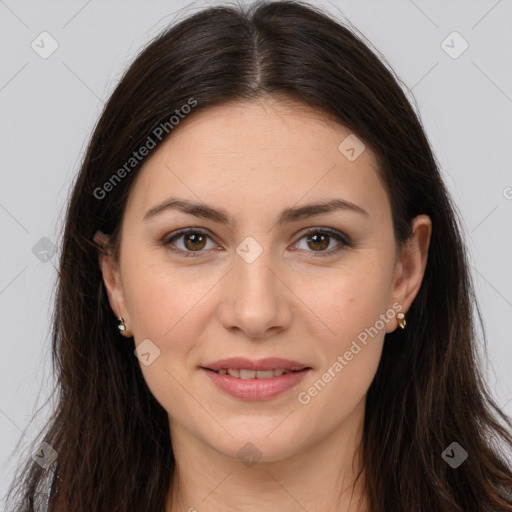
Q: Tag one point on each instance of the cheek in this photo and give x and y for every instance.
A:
(162, 300)
(349, 361)
(348, 301)
(167, 310)
(354, 306)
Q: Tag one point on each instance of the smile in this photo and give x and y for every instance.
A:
(255, 385)
(252, 374)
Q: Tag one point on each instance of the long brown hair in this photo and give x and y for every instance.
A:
(111, 435)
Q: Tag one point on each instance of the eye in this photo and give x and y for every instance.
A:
(320, 238)
(194, 240)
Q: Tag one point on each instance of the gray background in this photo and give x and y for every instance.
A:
(49, 106)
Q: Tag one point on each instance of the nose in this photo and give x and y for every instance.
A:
(256, 299)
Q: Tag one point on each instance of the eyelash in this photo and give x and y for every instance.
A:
(310, 231)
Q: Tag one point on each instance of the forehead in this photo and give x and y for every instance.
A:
(260, 154)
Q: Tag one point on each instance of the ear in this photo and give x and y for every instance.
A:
(112, 280)
(411, 263)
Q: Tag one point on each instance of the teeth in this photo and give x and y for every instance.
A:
(264, 374)
(247, 374)
(253, 374)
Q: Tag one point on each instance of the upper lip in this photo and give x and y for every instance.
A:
(269, 363)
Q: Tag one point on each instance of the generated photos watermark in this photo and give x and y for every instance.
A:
(304, 397)
(158, 134)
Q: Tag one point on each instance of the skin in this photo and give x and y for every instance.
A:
(255, 159)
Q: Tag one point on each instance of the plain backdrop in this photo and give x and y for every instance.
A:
(461, 83)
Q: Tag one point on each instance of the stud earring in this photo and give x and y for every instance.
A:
(401, 318)
(121, 325)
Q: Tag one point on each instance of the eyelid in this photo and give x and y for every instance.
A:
(341, 237)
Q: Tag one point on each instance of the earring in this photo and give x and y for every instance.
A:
(121, 326)
(401, 318)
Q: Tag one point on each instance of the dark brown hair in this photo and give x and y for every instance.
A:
(109, 431)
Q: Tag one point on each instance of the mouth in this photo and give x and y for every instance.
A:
(243, 373)
(248, 386)
(244, 368)
(255, 380)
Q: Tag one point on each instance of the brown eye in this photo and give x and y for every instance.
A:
(318, 240)
(194, 241)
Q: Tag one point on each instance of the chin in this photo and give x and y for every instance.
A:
(257, 444)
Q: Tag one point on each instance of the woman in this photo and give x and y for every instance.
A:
(264, 299)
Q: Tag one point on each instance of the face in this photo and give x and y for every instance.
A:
(261, 277)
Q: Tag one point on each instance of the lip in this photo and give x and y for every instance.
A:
(256, 389)
(269, 363)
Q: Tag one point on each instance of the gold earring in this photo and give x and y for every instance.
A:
(121, 325)
(401, 318)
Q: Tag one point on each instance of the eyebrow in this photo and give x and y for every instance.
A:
(222, 216)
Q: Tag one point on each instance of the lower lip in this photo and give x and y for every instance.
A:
(256, 389)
